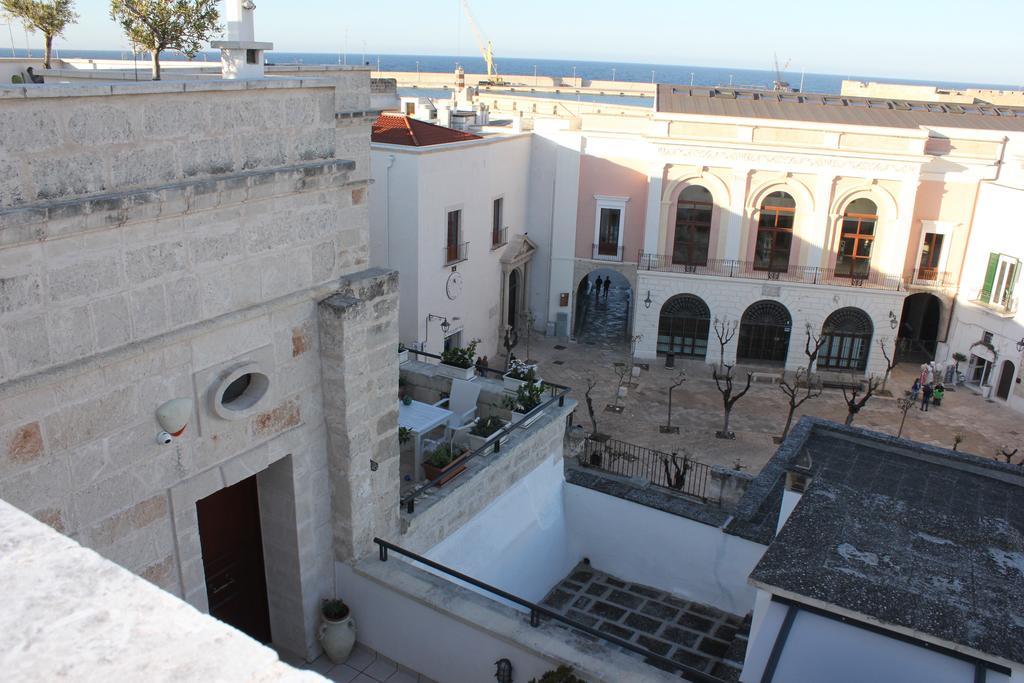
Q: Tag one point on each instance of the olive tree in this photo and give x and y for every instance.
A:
(49, 18)
(158, 25)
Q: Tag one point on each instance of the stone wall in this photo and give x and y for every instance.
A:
(177, 259)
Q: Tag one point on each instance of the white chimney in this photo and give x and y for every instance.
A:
(240, 55)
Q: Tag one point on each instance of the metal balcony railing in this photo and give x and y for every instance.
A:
(926, 278)
(499, 238)
(607, 251)
(1004, 305)
(872, 279)
(455, 253)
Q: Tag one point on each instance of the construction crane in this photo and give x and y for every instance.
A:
(486, 49)
(778, 84)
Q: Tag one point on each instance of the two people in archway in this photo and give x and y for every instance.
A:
(602, 284)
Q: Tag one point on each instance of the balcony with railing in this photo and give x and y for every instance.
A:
(499, 238)
(456, 252)
(808, 275)
(607, 251)
(929, 278)
(1004, 305)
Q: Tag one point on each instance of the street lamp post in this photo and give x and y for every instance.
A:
(535, 75)
(613, 73)
(652, 75)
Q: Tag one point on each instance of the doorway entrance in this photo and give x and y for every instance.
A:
(232, 544)
(513, 299)
(603, 306)
(764, 334)
(1005, 381)
(919, 328)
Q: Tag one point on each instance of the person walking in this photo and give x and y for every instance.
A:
(926, 397)
(915, 389)
(938, 394)
(607, 284)
(597, 287)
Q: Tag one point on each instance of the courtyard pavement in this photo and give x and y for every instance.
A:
(987, 426)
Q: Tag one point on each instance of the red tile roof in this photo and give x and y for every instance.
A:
(398, 129)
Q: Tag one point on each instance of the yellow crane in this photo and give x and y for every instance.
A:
(486, 49)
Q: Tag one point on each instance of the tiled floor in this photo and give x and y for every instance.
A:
(692, 634)
(364, 666)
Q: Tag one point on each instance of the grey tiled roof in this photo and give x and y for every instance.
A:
(903, 533)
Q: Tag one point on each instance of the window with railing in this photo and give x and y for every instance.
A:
(608, 232)
(499, 234)
(775, 233)
(1000, 281)
(455, 248)
(693, 227)
(856, 239)
(931, 254)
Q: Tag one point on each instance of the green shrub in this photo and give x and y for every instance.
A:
(562, 674)
(527, 397)
(461, 356)
(334, 610)
(440, 457)
(486, 426)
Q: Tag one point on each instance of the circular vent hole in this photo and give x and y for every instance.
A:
(236, 389)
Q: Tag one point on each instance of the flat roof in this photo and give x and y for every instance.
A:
(906, 534)
(834, 109)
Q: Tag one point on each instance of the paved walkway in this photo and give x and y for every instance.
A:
(987, 426)
(605, 320)
(692, 634)
(363, 666)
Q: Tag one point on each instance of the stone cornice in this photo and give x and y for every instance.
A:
(810, 162)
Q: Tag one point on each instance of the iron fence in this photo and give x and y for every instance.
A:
(456, 253)
(667, 470)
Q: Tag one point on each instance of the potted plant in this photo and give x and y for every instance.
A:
(519, 373)
(525, 400)
(444, 463)
(337, 632)
(403, 353)
(484, 431)
(459, 362)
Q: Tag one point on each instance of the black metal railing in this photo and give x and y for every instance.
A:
(556, 394)
(667, 470)
(455, 253)
(537, 611)
(607, 251)
(499, 238)
(1004, 304)
(809, 275)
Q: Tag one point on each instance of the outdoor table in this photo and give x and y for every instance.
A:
(421, 418)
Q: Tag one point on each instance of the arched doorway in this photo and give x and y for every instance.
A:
(603, 305)
(683, 326)
(848, 333)
(1005, 381)
(764, 333)
(513, 299)
(919, 327)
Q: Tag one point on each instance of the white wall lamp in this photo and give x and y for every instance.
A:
(1020, 345)
(647, 301)
(173, 417)
(893, 321)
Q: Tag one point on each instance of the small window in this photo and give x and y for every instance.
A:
(775, 233)
(252, 56)
(986, 338)
(498, 236)
(236, 389)
(239, 392)
(608, 233)
(410, 108)
(857, 238)
(455, 249)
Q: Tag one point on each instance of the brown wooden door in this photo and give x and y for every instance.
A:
(1005, 381)
(236, 585)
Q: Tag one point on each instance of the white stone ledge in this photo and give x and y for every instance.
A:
(109, 85)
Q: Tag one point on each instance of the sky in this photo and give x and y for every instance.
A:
(951, 40)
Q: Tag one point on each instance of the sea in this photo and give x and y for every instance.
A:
(623, 71)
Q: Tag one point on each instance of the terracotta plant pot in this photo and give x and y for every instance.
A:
(442, 475)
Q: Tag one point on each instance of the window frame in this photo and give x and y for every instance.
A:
(453, 249)
(690, 259)
(774, 231)
(1001, 277)
(604, 202)
(847, 265)
(498, 229)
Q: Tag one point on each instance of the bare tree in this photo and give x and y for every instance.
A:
(529, 320)
(853, 404)
(622, 371)
(958, 439)
(511, 339)
(676, 383)
(590, 403)
(1008, 455)
(890, 362)
(725, 331)
(812, 346)
(675, 477)
(904, 404)
(728, 398)
(633, 342)
(796, 397)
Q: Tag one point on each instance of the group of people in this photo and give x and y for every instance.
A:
(604, 283)
(930, 391)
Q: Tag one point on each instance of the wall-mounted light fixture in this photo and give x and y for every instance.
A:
(1020, 345)
(504, 671)
(445, 326)
(173, 417)
(893, 320)
(647, 301)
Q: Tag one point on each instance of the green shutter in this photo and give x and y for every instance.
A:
(1011, 280)
(990, 277)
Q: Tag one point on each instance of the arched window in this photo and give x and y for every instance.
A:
(764, 333)
(693, 227)
(854, 257)
(848, 334)
(775, 233)
(683, 326)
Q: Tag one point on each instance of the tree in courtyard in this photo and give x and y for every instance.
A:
(158, 25)
(49, 18)
(890, 361)
(675, 476)
(958, 439)
(853, 403)
(590, 404)
(622, 372)
(1007, 455)
(667, 428)
(529, 320)
(511, 339)
(724, 382)
(812, 346)
(725, 331)
(904, 405)
(798, 395)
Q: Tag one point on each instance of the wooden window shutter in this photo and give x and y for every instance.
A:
(990, 277)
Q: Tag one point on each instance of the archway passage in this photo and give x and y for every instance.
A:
(683, 326)
(603, 311)
(1005, 381)
(764, 333)
(919, 327)
(848, 333)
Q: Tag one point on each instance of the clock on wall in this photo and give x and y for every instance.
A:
(453, 287)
